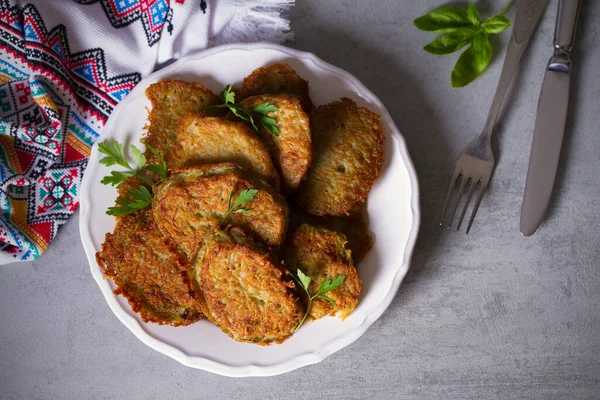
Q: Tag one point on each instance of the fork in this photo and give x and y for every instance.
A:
(476, 163)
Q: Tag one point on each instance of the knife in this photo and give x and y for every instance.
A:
(550, 120)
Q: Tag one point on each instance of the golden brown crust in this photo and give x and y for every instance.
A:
(170, 99)
(194, 200)
(291, 151)
(321, 254)
(208, 140)
(147, 272)
(354, 226)
(276, 79)
(243, 292)
(348, 157)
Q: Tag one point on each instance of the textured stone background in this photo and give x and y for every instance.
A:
(489, 315)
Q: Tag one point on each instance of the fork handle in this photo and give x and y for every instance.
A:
(529, 13)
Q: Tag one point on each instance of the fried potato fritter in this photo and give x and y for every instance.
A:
(147, 272)
(348, 157)
(170, 99)
(243, 292)
(292, 149)
(354, 226)
(206, 140)
(277, 78)
(321, 254)
(194, 200)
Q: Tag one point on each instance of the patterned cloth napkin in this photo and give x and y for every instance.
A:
(64, 66)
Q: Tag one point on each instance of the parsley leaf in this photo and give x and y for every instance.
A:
(245, 196)
(114, 154)
(258, 113)
(140, 198)
(160, 170)
(116, 177)
(227, 95)
(326, 286)
(462, 27)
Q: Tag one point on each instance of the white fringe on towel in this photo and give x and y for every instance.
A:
(255, 21)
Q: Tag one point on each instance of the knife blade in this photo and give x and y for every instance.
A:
(550, 121)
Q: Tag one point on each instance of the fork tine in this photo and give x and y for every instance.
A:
(457, 173)
(464, 210)
(460, 193)
(477, 203)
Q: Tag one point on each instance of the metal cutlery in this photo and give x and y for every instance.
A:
(550, 120)
(476, 163)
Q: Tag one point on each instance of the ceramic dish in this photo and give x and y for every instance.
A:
(393, 209)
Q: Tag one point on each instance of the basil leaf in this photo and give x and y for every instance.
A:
(473, 61)
(496, 24)
(451, 41)
(481, 44)
(442, 20)
(473, 15)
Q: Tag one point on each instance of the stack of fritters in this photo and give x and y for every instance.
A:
(191, 255)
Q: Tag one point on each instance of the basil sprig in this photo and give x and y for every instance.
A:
(459, 28)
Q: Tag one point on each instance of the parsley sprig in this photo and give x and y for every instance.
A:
(461, 27)
(245, 196)
(253, 115)
(326, 286)
(141, 197)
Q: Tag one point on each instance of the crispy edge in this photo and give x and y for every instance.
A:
(292, 150)
(260, 155)
(243, 177)
(312, 197)
(111, 255)
(158, 128)
(230, 318)
(354, 226)
(279, 78)
(321, 254)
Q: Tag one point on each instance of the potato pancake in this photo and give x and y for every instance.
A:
(292, 149)
(147, 272)
(243, 292)
(321, 254)
(171, 99)
(354, 226)
(276, 79)
(208, 140)
(347, 159)
(194, 200)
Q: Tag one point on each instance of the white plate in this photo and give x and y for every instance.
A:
(393, 207)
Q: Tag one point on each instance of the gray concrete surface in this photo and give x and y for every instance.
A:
(489, 315)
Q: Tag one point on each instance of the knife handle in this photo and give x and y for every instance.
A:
(566, 22)
(529, 13)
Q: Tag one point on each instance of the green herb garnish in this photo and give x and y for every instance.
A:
(326, 286)
(461, 27)
(245, 196)
(252, 115)
(141, 197)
